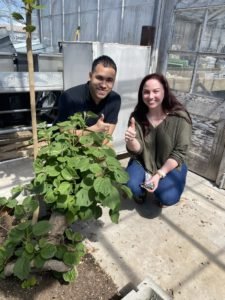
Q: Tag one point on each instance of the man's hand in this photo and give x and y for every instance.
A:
(101, 126)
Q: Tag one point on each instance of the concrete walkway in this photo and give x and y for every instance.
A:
(181, 248)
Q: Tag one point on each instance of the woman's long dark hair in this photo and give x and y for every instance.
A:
(170, 103)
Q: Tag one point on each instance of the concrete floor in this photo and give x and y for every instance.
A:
(181, 248)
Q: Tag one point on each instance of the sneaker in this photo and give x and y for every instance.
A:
(141, 199)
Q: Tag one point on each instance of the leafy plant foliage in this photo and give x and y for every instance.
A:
(74, 176)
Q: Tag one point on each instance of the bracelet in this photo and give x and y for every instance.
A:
(161, 174)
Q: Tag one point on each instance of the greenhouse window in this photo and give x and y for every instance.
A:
(196, 59)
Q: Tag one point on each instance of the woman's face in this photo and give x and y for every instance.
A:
(153, 93)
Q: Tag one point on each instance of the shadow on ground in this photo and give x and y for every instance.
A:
(149, 209)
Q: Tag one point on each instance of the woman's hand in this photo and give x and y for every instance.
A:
(155, 180)
(130, 133)
(130, 137)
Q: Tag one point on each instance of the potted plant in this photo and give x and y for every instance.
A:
(75, 176)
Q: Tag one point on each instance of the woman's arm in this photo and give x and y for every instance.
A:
(178, 154)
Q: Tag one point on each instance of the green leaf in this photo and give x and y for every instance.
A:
(29, 1)
(95, 168)
(3, 256)
(90, 114)
(19, 251)
(71, 275)
(82, 198)
(50, 197)
(113, 199)
(78, 120)
(97, 152)
(9, 246)
(113, 161)
(30, 204)
(11, 203)
(61, 250)
(29, 28)
(83, 164)
(29, 247)
(38, 166)
(87, 182)
(70, 258)
(19, 211)
(41, 228)
(16, 235)
(39, 189)
(121, 176)
(39, 261)
(17, 16)
(56, 149)
(86, 213)
(64, 188)
(62, 159)
(73, 236)
(102, 185)
(71, 217)
(97, 211)
(41, 178)
(114, 215)
(38, 6)
(3, 201)
(29, 283)
(109, 152)
(80, 248)
(24, 225)
(48, 251)
(57, 181)
(67, 174)
(62, 202)
(22, 268)
(98, 138)
(16, 191)
(43, 242)
(127, 191)
(52, 171)
(86, 140)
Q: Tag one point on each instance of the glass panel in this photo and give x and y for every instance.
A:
(197, 3)
(214, 35)
(179, 71)
(187, 24)
(210, 76)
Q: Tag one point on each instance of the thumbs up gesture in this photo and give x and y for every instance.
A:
(101, 125)
(130, 133)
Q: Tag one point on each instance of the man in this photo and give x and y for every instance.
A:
(96, 96)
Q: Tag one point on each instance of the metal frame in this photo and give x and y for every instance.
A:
(198, 52)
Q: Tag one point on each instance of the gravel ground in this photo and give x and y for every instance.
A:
(92, 284)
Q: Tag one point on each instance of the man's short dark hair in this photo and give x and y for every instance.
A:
(105, 60)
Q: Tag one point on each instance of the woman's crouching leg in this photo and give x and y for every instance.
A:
(136, 176)
(171, 187)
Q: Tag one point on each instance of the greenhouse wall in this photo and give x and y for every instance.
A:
(113, 21)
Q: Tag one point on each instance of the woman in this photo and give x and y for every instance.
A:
(157, 138)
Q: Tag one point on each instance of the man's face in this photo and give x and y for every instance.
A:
(101, 82)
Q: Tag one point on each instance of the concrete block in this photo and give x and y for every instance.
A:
(147, 290)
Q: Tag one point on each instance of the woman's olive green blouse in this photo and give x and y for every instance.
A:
(170, 139)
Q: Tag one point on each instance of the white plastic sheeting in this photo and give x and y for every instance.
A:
(132, 62)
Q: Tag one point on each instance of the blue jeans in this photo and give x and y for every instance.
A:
(169, 189)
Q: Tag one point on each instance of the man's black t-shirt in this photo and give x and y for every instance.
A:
(78, 99)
